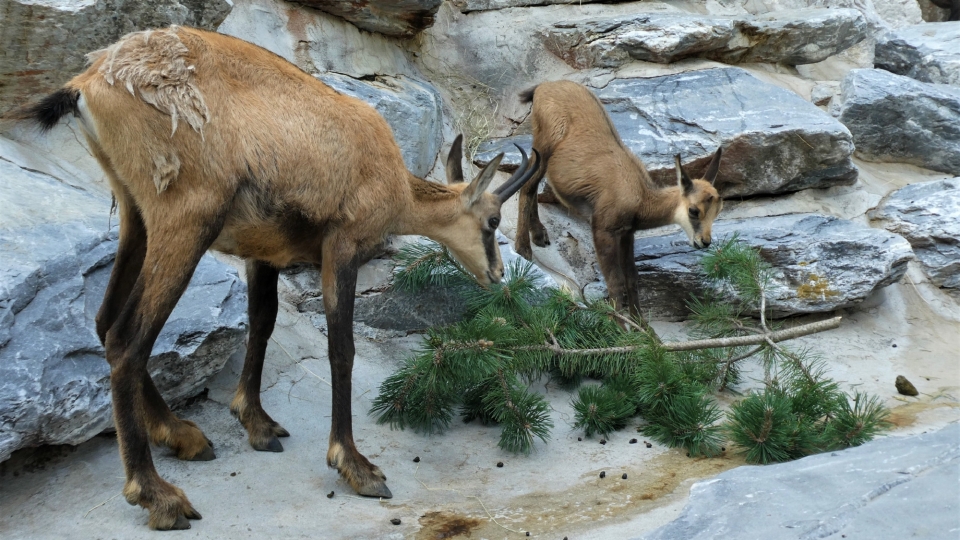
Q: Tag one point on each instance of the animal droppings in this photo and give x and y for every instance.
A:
(603, 474)
(395, 521)
(648, 444)
(624, 476)
(723, 448)
(233, 474)
(905, 387)
(500, 464)
(528, 533)
(330, 495)
(894, 345)
(416, 459)
(579, 438)
(603, 441)
(633, 441)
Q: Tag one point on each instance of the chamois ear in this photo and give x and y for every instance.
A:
(684, 181)
(713, 167)
(454, 160)
(479, 185)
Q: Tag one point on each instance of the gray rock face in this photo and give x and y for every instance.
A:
(928, 216)
(412, 108)
(773, 140)
(57, 256)
(42, 44)
(401, 18)
(895, 487)
(821, 263)
(467, 6)
(802, 36)
(899, 119)
(927, 52)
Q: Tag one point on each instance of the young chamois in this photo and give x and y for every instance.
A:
(591, 171)
(210, 142)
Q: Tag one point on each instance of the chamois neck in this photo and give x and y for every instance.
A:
(658, 206)
(432, 205)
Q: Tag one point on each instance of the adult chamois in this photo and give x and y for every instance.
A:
(210, 142)
(591, 171)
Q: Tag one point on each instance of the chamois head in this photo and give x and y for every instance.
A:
(700, 203)
(472, 235)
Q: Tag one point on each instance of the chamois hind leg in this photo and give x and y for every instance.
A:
(528, 219)
(629, 265)
(339, 274)
(130, 252)
(174, 248)
(262, 311)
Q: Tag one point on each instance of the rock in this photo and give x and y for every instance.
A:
(44, 43)
(927, 52)
(928, 215)
(823, 92)
(894, 487)
(773, 140)
(899, 119)
(803, 36)
(412, 108)
(905, 387)
(58, 254)
(467, 6)
(400, 18)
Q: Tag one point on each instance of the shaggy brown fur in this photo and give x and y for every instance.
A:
(592, 172)
(272, 166)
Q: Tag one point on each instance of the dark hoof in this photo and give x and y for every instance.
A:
(193, 514)
(280, 432)
(181, 523)
(524, 251)
(378, 489)
(271, 445)
(207, 454)
(540, 237)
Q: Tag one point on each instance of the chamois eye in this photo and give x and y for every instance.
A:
(695, 213)
(494, 222)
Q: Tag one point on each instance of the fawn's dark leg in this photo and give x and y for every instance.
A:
(131, 249)
(262, 311)
(528, 219)
(174, 248)
(608, 245)
(339, 275)
(629, 265)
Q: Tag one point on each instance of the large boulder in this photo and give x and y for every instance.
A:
(773, 140)
(412, 108)
(43, 44)
(802, 36)
(821, 263)
(894, 487)
(400, 18)
(898, 119)
(58, 251)
(467, 6)
(927, 52)
(928, 216)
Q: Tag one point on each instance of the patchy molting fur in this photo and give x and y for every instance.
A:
(591, 171)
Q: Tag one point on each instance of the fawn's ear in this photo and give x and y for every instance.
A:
(479, 185)
(714, 167)
(454, 160)
(683, 180)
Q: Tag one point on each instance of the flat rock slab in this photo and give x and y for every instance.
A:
(928, 216)
(928, 52)
(899, 119)
(467, 6)
(400, 18)
(58, 252)
(800, 36)
(43, 44)
(896, 487)
(821, 263)
(773, 140)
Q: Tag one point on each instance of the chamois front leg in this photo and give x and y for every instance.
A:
(528, 220)
(262, 311)
(629, 269)
(176, 245)
(608, 245)
(339, 274)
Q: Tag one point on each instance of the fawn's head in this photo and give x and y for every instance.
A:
(700, 203)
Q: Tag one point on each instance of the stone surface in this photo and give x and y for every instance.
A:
(467, 6)
(803, 36)
(412, 108)
(927, 52)
(57, 255)
(773, 140)
(400, 18)
(895, 487)
(823, 92)
(928, 216)
(899, 119)
(43, 43)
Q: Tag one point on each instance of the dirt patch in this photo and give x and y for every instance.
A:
(441, 525)
(906, 415)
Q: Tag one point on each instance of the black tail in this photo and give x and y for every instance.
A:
(50, 109)
(527, 95)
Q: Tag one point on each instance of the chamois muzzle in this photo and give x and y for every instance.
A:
(520, 177)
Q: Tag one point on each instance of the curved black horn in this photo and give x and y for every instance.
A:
(522, 176)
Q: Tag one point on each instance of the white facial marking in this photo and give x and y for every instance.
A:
(681, 218)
